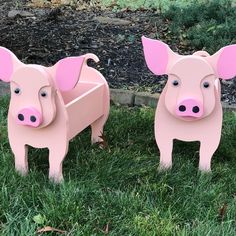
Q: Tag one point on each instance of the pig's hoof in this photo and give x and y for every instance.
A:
(164, 168)
(204, 170)
(96, 140)
(56, 179)
(21, 171)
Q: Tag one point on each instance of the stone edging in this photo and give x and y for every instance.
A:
(127, 97)
(130, 98)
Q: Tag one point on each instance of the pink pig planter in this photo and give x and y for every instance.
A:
(50, 106)
(189, 107)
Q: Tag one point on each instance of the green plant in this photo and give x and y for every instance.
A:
(160, 5)
(207, 26)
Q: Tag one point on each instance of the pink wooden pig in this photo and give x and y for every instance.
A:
(51, 105)
(189, 107)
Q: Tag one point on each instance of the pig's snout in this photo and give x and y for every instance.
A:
(190, 108)
(30, 117)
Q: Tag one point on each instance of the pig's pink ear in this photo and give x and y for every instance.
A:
(156, 55)
(68, 72)
(8, 63)
(224, 62)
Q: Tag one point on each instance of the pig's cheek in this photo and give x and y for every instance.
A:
(209, 101)
(49, 111)
(171, 100)
(14, 108)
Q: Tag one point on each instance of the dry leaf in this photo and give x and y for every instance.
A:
(81, 4)
(50, 229)
(106, 231)
(222, 212)
(103, 144)
(38, 3)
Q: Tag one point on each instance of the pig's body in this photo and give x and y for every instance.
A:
(168, 128)
(54, 137)
(52, 120)
(99, 106)
(189, 108)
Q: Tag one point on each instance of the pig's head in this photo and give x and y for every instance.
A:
(34, 88)
(192, 87)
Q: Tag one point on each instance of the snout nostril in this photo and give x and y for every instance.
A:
(196, 109)
(33, 119)
(21, 117)
(182, 108)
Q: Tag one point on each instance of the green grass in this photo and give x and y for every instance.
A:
(161, 5)
(146, 4)
(121, 188)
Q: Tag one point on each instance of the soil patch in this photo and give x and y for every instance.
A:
(46, 35)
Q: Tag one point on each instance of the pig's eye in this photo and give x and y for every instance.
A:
(43, 94)
(175, 83)
(206, 85)
(17, 91)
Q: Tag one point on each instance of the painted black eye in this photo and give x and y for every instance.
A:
(175, 82)
(17, 91)
(206, 85)
(43, 94)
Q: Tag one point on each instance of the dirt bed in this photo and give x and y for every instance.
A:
(44, 35)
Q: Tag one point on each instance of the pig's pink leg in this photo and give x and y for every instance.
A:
(165, 146)
(56, 157)
(207, 149)
(21, 158)
(97, 130)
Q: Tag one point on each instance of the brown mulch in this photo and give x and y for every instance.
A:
(52, 34)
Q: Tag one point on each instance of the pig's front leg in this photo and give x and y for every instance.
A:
(207, 149)
(21, 157)
(165, 154)
(56, 157)
(165, 146)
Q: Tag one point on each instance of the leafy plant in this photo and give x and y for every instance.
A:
(208, 25)
(161, 5)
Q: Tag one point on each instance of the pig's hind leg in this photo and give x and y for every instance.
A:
(98, 125)
(97, 130)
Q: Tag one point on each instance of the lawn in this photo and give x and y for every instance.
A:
(161, 5)
(118, 190)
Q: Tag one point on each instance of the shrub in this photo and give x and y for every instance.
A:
(209, 25)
